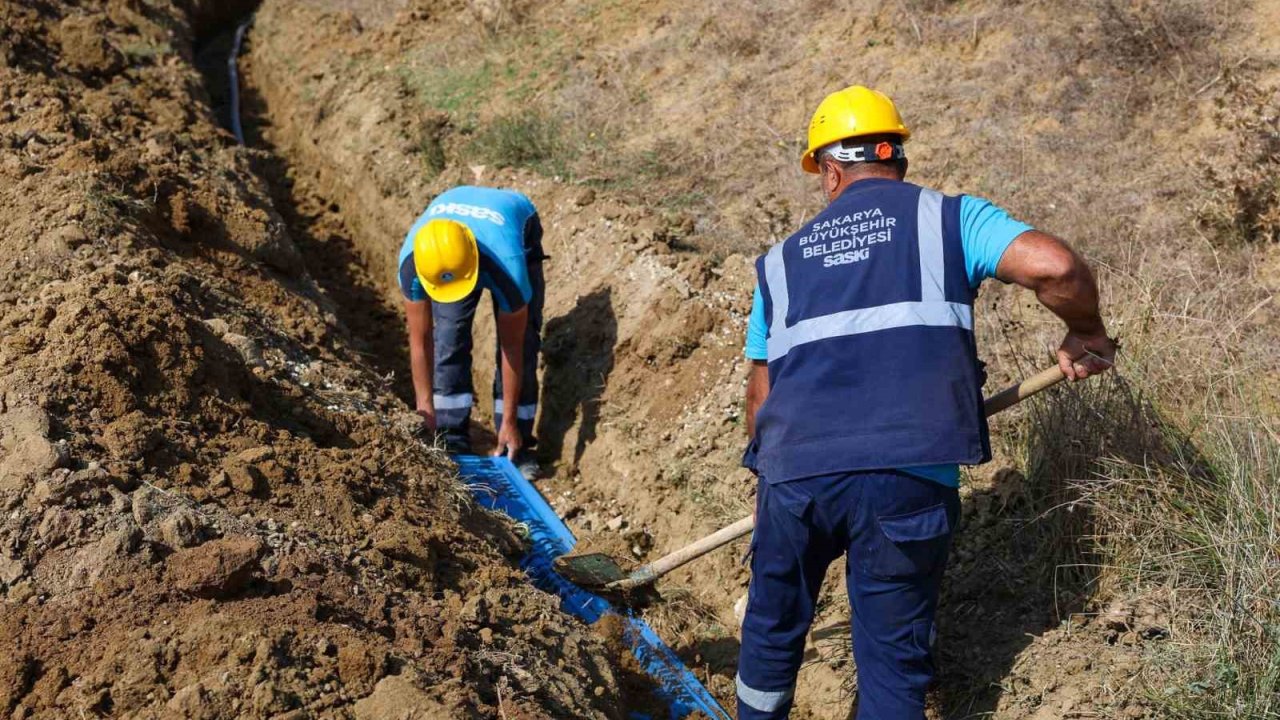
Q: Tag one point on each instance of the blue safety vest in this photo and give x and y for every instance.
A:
(872, 359)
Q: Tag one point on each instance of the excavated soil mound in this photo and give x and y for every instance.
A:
(213, 504)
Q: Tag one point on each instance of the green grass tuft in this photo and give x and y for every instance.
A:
(527, 139)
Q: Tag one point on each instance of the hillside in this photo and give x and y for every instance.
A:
(209, 458)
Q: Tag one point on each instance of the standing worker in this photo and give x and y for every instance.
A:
(865, 396)
(469, 239)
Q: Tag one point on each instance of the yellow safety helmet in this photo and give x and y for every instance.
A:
(855, 111)
(446, 259)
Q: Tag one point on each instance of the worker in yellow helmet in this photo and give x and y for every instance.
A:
(865, 397)
(469, 239)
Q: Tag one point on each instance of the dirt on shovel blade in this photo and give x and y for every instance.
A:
(595, 571)
(591, 571)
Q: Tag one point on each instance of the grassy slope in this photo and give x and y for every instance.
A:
(1142, 132)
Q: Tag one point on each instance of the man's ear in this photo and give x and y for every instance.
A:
(830, 176)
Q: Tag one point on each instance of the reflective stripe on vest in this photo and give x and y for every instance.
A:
(932, 310)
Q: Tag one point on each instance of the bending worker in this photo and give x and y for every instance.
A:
(469, 239)
(865, 396)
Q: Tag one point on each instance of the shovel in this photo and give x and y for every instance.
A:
(597, 570)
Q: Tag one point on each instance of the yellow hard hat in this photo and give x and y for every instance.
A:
(446, 259)
(855, 111)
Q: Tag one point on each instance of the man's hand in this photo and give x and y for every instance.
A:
(1082, 355)
(509, 439)
(427, 412)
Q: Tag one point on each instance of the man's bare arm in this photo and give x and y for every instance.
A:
(421, 358)
(1063, 283)
(757, 391)
(511, 331)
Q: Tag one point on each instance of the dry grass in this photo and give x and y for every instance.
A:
(1159, 483)
(497, 15)
(1180, 33)
(1198, 522)
(1246, 205)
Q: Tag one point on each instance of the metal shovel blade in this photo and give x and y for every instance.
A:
(592, 570)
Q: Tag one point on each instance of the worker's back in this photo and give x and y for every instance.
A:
(500, 221)
(872, 362)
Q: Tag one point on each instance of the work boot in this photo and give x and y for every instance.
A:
(528, 466)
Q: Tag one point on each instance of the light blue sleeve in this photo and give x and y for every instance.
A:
(406, 273)
(757, 346)
(986, 231)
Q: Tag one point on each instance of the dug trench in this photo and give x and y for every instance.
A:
(640, 421)
(213, 504)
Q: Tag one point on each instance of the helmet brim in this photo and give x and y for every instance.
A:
(808, 163)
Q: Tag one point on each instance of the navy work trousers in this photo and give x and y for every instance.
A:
(894, 530)
(454, 391)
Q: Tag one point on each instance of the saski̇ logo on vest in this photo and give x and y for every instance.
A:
(845, 258)
(471, 211)
(849, 235)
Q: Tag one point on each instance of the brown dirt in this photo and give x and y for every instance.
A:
(207, 461)
(214, 505)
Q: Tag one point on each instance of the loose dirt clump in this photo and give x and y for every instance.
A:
(214, 505)
(220, 569)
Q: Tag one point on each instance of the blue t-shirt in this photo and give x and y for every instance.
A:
(503, 222)
(986, 231)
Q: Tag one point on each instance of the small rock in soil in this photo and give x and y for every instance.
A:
(249, 349)
(397, 696)
(11, 570)
(216, 570)
(217, 326)
(147, 504)
(246, 479)
(182, 528)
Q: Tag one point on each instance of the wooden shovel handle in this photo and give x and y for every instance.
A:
(1015, 394)
(1002, 400)
(663, 565)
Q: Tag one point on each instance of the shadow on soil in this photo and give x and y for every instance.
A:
(577, 350)
(330, 257)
